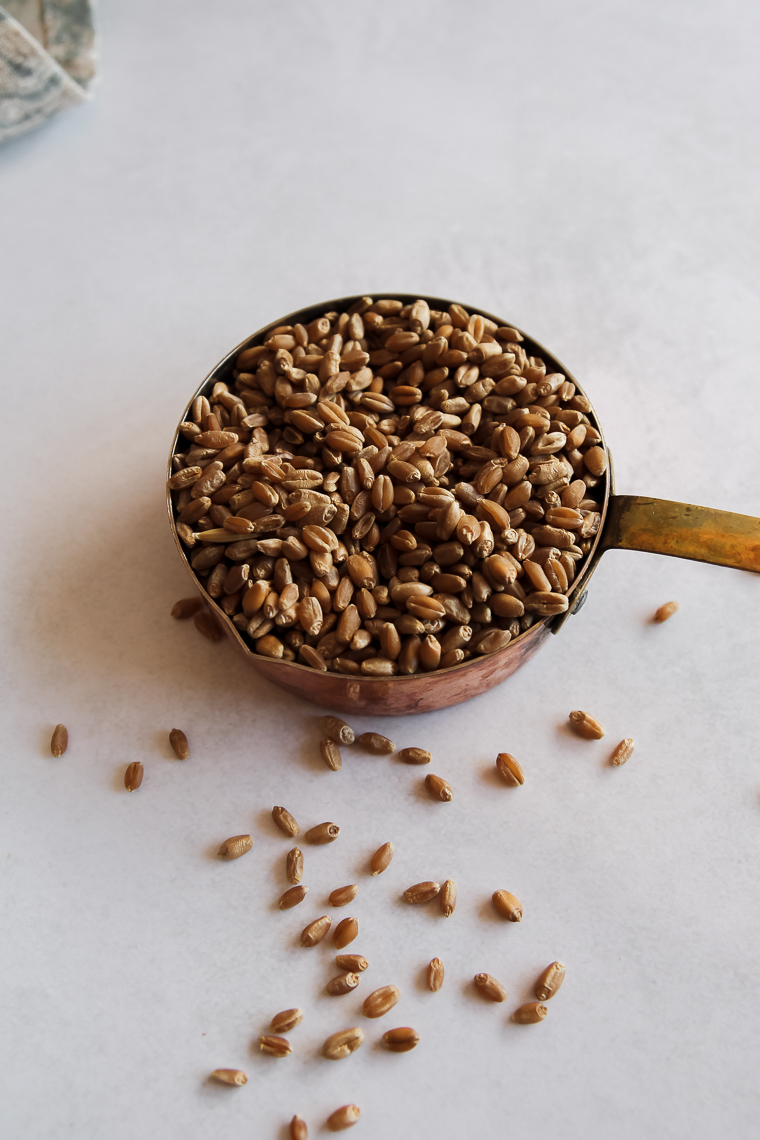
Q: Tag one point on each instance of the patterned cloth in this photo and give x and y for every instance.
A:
(47, 59)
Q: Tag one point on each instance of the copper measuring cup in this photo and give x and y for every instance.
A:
(629, 522)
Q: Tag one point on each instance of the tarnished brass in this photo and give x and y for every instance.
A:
(628, 523)
(682, 531)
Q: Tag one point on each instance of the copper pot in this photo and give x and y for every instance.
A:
(628, 523)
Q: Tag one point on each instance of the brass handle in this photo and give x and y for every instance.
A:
(683, 531)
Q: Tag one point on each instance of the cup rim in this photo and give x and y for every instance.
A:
(305, 314)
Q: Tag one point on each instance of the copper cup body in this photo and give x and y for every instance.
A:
(402, 696)
(386, 696)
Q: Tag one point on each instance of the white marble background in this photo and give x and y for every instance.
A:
(590, 171)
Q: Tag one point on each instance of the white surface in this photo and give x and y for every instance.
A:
(590, 172)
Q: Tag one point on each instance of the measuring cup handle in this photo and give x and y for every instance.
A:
(683, 531)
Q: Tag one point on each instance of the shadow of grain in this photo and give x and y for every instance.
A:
(45, 736)
(211, 852)
(420, 980)
(489, 776)
(163, 747)
(117, 779)
(487, 913)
